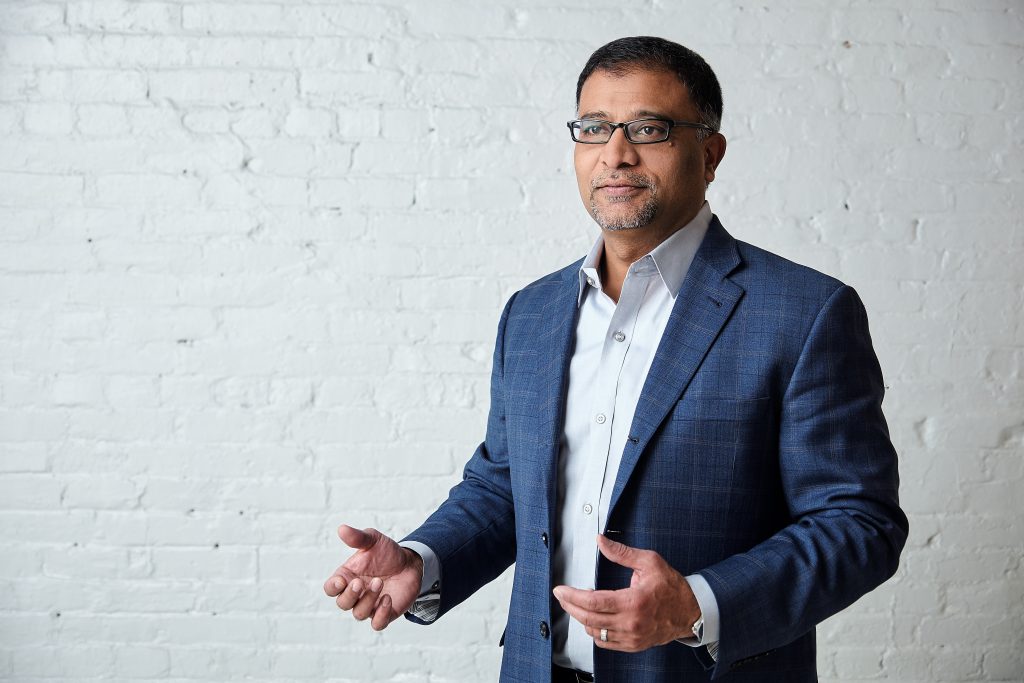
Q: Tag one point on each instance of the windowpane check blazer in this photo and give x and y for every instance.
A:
(758, 457)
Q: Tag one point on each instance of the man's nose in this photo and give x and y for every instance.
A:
(619, 151)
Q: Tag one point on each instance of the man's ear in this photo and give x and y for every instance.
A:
(714, 150)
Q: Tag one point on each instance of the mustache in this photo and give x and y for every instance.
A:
(637, 179)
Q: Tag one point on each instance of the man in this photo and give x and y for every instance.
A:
(685, 454)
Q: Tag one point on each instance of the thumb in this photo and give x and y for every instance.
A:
(360, 540)
(619, 553)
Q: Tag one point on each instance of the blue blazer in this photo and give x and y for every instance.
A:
(758, 457)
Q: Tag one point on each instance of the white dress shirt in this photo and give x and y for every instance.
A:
(615, 346)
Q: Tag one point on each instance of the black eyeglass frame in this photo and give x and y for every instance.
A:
(625, 130)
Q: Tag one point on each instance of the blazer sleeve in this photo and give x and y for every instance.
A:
(473, 531)
(840, 482)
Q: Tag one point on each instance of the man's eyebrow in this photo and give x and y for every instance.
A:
(647, 113)
(634, 115)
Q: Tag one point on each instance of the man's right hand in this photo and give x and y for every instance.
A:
(381, 580)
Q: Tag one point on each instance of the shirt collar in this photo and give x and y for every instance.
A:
(672, 257)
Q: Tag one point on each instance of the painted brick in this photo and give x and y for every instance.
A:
(206, 86)
(93, 85)
(124, 17)
(141, 662)
(49, 119)
(316, 123)
(252, 256)
(32, 190)
(102, 120)
(108, 493)
(16, 18)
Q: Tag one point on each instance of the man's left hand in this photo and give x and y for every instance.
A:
(657, 608)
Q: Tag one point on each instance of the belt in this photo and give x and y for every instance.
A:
(559, 674)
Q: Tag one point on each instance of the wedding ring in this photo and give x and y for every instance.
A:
(604, 635)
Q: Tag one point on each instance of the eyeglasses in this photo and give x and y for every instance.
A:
(639, 132)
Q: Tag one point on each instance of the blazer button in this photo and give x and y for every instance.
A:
(544, 630)
(544, 539)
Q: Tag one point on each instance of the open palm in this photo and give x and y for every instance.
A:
(381, 580)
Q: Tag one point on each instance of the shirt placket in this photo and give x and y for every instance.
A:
(598, 480)
(621, 332)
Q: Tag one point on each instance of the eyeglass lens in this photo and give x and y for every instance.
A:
(643, 131)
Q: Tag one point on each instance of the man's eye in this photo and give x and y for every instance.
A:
(650, 130)
(593, 129)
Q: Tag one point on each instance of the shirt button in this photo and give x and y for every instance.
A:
(544, 630)
(619, 337)
(590, 281)
(600, 418)
(588, 508)
(544, 539)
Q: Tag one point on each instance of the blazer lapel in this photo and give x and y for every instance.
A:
(704, 304)
(556, 341)
(556, 338)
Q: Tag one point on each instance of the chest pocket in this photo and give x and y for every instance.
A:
(726, 427)
(714, 409)
(720, 451)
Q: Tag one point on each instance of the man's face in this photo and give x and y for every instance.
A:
(657, 187)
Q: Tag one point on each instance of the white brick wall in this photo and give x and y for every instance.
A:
(252, 255)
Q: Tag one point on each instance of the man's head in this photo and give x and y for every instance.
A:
(647, 53)
(660, 186)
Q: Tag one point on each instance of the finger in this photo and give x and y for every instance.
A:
(350, 596)
(610, 645)
(354, 538)
(606, 601)
(595, 633)
(337, 582)
(383, 615)
(614, 642)
(335, 585)
(622, 554)
(363, 609)
(590, 620)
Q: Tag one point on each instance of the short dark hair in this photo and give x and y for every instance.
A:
(625, 55)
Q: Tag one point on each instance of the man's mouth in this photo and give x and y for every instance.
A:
(620, 187)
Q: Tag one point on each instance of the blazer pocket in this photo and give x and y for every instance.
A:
(716, 409)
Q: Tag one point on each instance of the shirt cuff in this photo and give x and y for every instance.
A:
(427, 604)
(431, 582)
(709, 610)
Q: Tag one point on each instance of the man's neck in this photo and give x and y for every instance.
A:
(623, 248)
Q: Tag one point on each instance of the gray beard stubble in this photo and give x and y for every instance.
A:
(631, 221)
